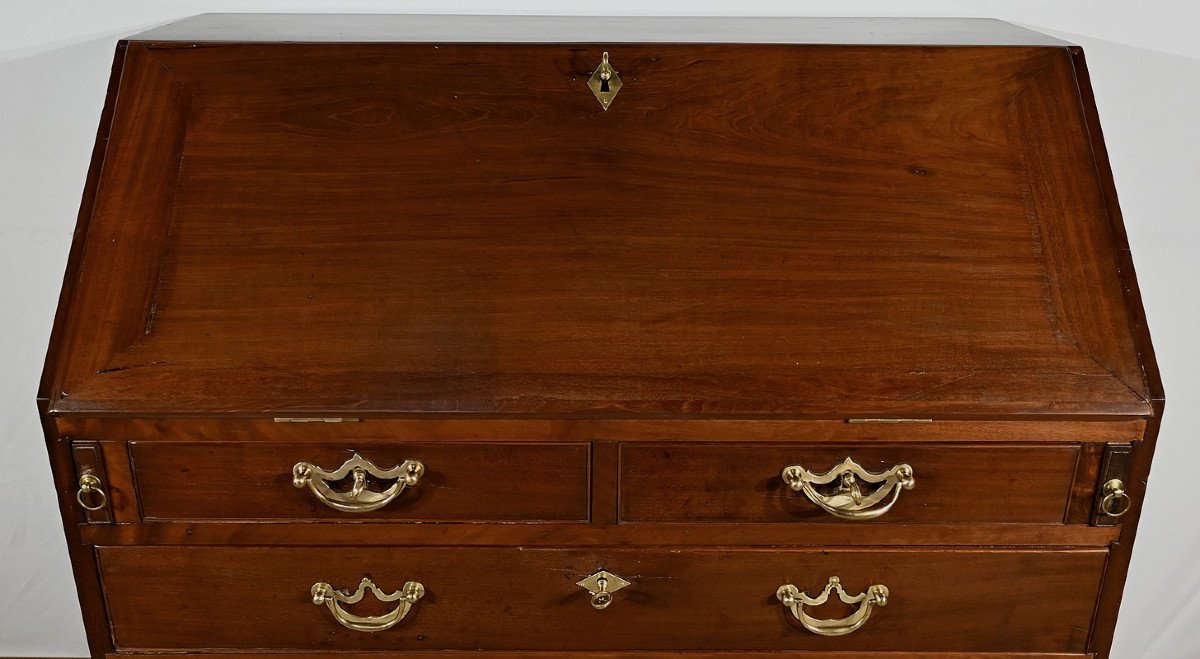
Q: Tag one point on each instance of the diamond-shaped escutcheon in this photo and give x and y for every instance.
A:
(605, 83)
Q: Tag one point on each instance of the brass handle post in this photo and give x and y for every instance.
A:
(795, 600)
(848, 500)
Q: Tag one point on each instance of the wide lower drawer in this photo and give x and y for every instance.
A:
(459, 482)
(178, 598)
(943, 483)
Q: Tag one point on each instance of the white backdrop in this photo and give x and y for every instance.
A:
(1144, 59)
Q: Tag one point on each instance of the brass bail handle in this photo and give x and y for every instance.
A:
(849, 500)
(792, 598)
(334, 598)
(359, 499)
(89, 487)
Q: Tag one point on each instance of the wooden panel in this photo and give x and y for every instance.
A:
(462, 482)
(128, 216)
(698, 250)
(526, 599)
(1064, 190)
(1083, 489)
(605, 474)
(699, 483)
(121, 491)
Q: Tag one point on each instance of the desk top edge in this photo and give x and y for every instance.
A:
(383, 28)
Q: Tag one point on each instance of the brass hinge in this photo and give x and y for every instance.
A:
(315, 419)
(889, 420)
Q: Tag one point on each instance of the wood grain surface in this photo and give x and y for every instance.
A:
(463, 482)
(953, 483)
(752, 229)
(613, 324)
(526, 599)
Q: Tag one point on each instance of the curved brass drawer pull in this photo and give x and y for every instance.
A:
(89, 484)
(848, 501)
(323, 593)
(791, 597)
(359, 499)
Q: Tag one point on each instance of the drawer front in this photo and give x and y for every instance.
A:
(744, 483)
(461, 482)
(177, 598)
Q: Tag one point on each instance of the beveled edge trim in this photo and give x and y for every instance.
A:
(734, 431)
(550, 653)
(845, 535)
(435, 28)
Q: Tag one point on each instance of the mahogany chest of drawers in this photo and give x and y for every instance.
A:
(387, 335)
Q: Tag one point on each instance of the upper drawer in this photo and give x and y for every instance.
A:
(746, 483)
(460, 482)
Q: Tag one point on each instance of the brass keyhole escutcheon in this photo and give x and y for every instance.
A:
(604, 83)
(602, 585)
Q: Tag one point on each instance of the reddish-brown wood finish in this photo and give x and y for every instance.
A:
(523, 598)
(58, 447)
(646, 535)
(1118, 566)
(463, 482)
(1083, 489)
(509, 249)
(625, 430)
(604, 333)
(443, 654)
(954, 484)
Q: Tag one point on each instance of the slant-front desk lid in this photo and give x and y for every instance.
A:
(373, 216)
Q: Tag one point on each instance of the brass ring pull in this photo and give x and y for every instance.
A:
(358, 499)
(602, 585)
(323, 593)
(89, 484)
(848, 501)
(1115, 502)
(791, 597)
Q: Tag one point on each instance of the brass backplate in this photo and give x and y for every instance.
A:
(592, 583)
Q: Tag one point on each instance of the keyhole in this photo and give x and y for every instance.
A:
(604, 76)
